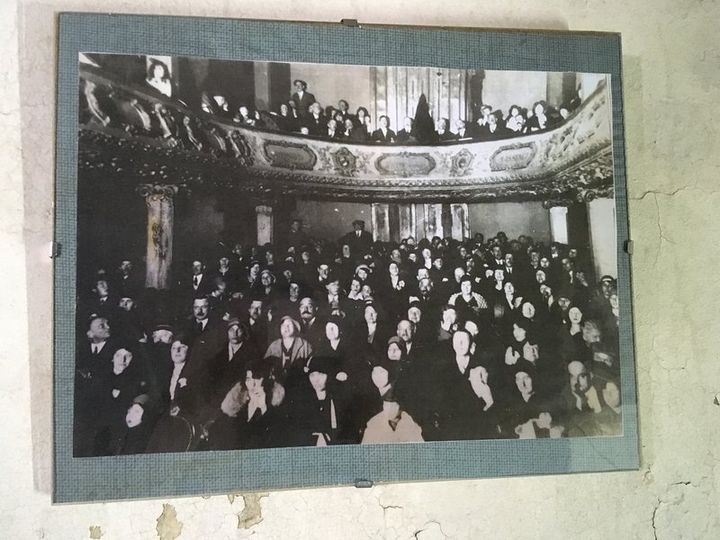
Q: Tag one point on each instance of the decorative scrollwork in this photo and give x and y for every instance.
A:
(461, 163)
(569, 163)
(405, 164)
(345, 162)
(289, 155)
(159, 191)
(513, 156)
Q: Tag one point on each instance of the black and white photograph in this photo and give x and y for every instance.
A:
(278, 255)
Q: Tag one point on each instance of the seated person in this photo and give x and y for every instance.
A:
(384, 134)
(442, 128)
(405, 136)
(317, 408)
(252, 412)
(391, 425)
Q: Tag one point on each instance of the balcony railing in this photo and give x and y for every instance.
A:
(134, 134)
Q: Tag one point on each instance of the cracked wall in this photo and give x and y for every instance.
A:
(671, 90)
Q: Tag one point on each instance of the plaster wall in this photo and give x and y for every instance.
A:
(670, 60)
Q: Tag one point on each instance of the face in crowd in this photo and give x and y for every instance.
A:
(307, 309)
(178, 352)
(201, 308)
(99, 329)
(406, 331)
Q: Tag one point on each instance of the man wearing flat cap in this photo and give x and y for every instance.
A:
(359, 240)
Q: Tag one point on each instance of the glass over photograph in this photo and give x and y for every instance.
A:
(283, 254)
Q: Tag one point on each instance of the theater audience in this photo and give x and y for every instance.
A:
(316, 343)
(300, 114)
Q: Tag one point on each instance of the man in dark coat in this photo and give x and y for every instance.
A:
(384, 134)
(93, 369)
(360, 240)
(229, 365)
(302, 98)
(464, 403)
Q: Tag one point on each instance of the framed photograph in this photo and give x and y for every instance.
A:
(295, 255)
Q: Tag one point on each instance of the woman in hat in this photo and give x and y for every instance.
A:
(317, 409)
(129, 403)
(289, 353)
(176, 429)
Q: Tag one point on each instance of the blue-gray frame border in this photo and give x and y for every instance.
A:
(159, 475)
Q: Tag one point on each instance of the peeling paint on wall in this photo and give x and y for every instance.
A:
(251, 514)
(95, 532)
(168, 527)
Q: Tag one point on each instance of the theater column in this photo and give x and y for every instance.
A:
(558, 224)
(433, 220)
(601, 221)
(272, 84)
(460, 219)
(264, 224)
(406, 220)
(161, 210)
(381, 222)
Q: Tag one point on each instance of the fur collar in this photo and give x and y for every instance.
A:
(237, 398)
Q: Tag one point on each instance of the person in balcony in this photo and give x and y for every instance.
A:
(302, 98)
(443, 130)
(344, 110)
(494, 130)
(477, 129)
(368, 127)
(360, 116)
(221, 107)
(515, 121)
(158, 76)
(332, 132)
(461, 130)
(340, 119)
(330, 112)
(352, 133)
(315, 122)
(541, 118)
(405, 136)
(384, 134)
(244, 117)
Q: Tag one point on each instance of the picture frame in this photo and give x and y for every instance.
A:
(201, 473)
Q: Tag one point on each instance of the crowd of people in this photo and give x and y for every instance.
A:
(301, 114)
(314, 343)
